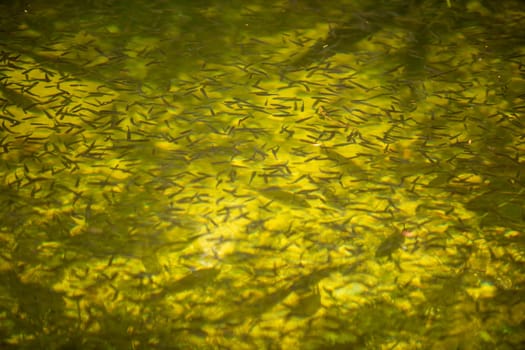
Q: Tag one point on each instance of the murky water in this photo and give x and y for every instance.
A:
(263, 175)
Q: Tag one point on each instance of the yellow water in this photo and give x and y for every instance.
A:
(283, 175)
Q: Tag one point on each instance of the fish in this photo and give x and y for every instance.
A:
(194, 279)
(308, 304)
(390, 245)
(285, 197)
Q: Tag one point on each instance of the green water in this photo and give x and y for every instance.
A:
(262, 175)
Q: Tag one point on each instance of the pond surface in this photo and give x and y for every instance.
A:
(293, 174)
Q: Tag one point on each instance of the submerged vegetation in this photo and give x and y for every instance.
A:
(292, 174)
